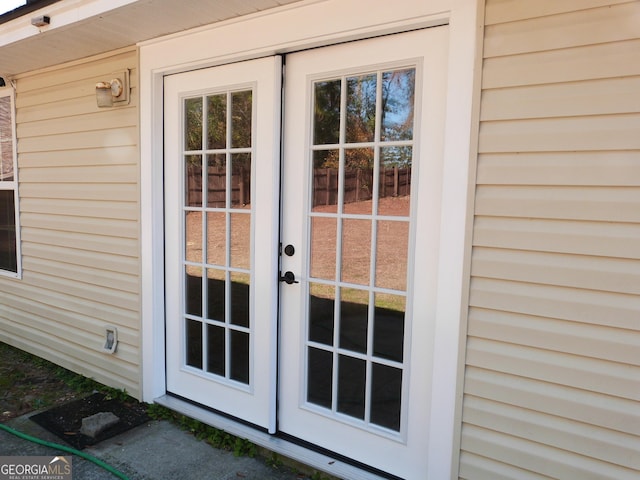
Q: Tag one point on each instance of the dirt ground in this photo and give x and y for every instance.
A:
(28, 383)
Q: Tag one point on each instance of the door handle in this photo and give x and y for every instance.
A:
(288, 278)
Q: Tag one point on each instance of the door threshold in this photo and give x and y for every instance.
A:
(281, 446)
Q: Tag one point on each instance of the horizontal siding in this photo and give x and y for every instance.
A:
(609, 60)
(552, 380)
(79, 211)
(504, 11)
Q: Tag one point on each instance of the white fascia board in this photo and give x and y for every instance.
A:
(62, 14)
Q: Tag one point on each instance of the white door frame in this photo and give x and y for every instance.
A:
(295, 27)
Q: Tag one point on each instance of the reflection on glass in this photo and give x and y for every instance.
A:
(361, 108)
(216, 238)
(240, 247)
(217, 121)
(388, 326)
(321, 312)
(6, 141)
(241, 117)
(354, 306)
(239, 356)
(193, 236)
(193, 338)
(320, 373)
(386, 396)
(240, 180)
(193, 291)
(352, 374)
(240, 298)
(358, 180)
(356, 251)
(216, 298)
(398, 92)
(323, 247)
(326, 118)
(325, 180)
(217, 180)
(193, 124)
(193, 180)
(215, 350)
(395, 180)
(392, 251)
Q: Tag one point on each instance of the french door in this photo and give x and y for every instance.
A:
(347, 246)
(221, 237)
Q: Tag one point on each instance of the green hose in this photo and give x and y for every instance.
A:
(64, 448)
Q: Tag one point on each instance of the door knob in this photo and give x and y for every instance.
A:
(288, 278)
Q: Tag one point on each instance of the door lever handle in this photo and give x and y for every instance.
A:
(288, 278)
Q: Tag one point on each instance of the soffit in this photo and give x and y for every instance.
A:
(117, 28)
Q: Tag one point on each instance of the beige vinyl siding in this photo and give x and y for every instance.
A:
(79, 212)
(552, 379)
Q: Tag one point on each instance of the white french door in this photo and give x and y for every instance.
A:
(221, 236)
(362, 167)
(356, 270)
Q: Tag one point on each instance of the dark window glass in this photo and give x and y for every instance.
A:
(8, 253)
(215, 350)
(351, 386)
(386, 394)
(320, 374)
(194, 343)
(239, 356)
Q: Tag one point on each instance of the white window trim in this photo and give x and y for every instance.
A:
(8, 91)
(286, 29)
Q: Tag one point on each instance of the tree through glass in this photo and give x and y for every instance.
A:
(362, 156)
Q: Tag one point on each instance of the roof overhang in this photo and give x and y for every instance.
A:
(81, 28)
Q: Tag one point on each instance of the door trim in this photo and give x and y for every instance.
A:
(296, 27)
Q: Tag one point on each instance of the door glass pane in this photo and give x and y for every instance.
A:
(394, 186)
(241, 119)
(193, 180)
(240, 299)
(398, 92)
(240, 247)
(320, 375)
(239, 356)
(216, 294)
(361, 108)
(217, 238)
(241, 180)
(217, 121)
(391, 254)
(358, 180)
(323, 247)
(217, 180)
(193, 291)
(356, 251)
(386, 395)
(354, 306)
(388, 326)
(321, 313)
(193, 236)
(215, 350)
(326, 118)
(325, 181)
(360, 220)
(193, 124)
(193, 340)
(351, 386)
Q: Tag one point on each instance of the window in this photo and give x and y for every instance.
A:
(9, 243)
